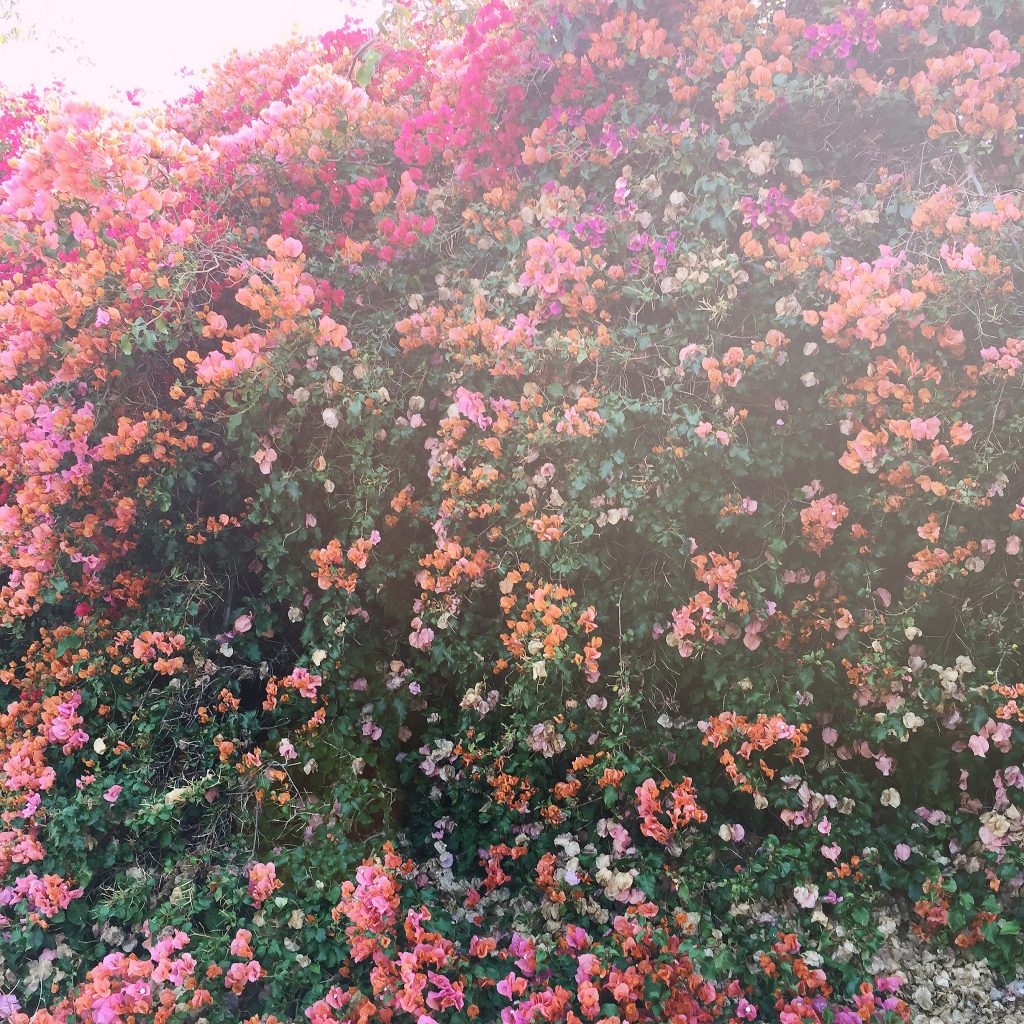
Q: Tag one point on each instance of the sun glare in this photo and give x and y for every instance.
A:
(104, 49)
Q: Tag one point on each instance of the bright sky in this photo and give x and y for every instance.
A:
(102, 48)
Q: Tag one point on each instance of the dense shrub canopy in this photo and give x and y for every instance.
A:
(517, 516)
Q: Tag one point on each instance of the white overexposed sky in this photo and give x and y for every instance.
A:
(102, 48)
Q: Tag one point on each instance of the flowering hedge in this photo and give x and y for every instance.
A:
(517, 517)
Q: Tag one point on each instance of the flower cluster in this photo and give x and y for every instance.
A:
(499, 521)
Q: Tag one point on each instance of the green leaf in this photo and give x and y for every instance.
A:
(69, 643)
(366, 69)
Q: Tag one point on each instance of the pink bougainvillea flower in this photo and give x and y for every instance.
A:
(746, 1010)
(263, 882)
(421, 638)
(979, 745)
(265, 459)
(240, 944)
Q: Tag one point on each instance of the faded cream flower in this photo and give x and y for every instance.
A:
(806, 896)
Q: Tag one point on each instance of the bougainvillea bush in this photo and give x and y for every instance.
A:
(517, 516)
